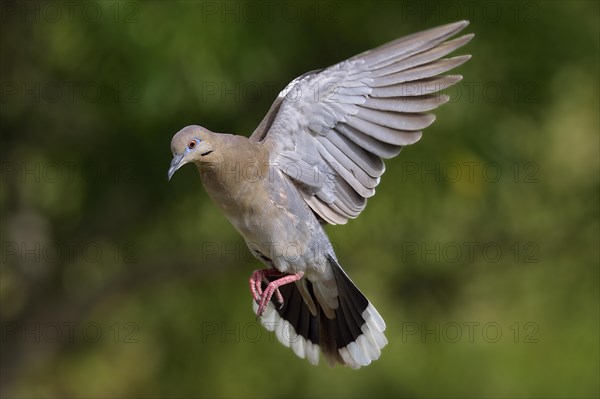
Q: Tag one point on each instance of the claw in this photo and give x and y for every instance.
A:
(279, 298)
(256, 284)
(256, 279)
(273, 287)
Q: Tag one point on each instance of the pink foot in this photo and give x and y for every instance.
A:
(256, 282)
(273, 287)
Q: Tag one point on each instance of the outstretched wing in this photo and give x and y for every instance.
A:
(330, 130)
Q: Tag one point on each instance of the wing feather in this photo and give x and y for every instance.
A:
(330, 130)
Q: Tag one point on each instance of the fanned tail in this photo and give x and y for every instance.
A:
(353, 336)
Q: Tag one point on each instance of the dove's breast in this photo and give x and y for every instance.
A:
(271, 215)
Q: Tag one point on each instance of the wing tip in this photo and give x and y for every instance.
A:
(454, 78)
(452, 28)
(467, 37)
(462, 23)
(463, 58)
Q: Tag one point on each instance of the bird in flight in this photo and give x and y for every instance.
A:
(313, 160)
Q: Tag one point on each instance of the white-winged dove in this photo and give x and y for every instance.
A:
(315, 159)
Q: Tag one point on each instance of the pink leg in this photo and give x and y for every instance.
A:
(274, 287)
(256, 282)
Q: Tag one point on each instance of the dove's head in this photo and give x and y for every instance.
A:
(192, 144)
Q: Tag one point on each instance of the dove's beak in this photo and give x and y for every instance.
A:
(176, 163)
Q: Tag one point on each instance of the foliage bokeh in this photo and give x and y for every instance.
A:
(169, 288)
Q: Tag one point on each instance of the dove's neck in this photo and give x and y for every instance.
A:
(238, 172)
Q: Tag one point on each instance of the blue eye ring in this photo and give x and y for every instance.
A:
(192, 144)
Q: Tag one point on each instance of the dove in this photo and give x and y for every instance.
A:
(314, 160)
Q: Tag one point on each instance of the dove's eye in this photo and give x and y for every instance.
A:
(192, 144)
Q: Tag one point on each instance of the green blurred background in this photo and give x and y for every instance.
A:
(480, 249)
